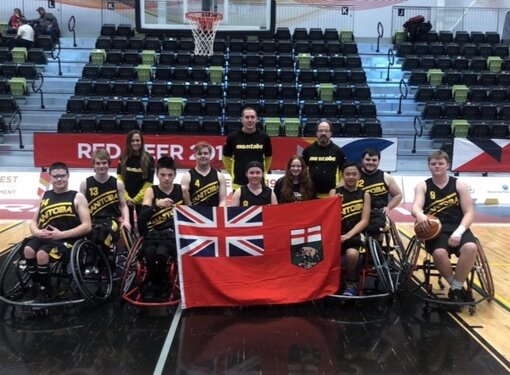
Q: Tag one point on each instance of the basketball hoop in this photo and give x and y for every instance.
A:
(204, 25)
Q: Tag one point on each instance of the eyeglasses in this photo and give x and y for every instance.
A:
(59, 176)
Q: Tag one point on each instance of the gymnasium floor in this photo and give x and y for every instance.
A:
(323, 337)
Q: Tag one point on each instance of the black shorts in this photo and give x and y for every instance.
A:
(46, 245)
(159, 243)
(377, 222)
(355, 242)
(441, 242)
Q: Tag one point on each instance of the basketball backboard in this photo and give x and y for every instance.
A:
(239, 16)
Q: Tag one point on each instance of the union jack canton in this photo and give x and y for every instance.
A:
(219, 231)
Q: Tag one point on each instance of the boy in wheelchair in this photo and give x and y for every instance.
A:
(157, 227)
(355, 216)
(61, 218)
(449, 200)
(106, 203)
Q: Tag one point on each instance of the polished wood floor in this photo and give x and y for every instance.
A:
(487, 330)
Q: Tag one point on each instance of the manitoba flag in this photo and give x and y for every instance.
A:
(258, 255)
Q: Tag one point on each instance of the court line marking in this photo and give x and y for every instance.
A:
(471, 330)
(11, 226)
(168, 342)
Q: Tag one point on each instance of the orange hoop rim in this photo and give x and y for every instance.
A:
(204, 16)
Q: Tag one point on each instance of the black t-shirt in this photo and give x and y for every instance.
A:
(323, 163)
(243, 148)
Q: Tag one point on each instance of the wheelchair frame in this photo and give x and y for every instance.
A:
(83, 275)
(479, 279)
(135, 276)
(387, 266)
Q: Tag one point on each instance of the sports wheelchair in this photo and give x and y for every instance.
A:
(479, 280)
(382, 265)
(79, 275)
(115, 244)
(134, 280)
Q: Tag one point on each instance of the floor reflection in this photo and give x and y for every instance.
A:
(326, 337)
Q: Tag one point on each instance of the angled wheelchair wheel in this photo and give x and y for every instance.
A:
(483, 274)
(382, 268)
(409, 263)
(14, 277)
(396, 242)
(91, 271)
(129, 278)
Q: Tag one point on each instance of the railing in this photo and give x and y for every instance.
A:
(14, 126)
(452, 19)
(391, 62)
(380, 34)
(71, 26)
(418, 131)
(55, 55)
(37, 85)
(403, 94)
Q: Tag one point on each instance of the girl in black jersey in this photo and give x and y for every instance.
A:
(136, 171)
(255, 193)
(156, 224)
(296, 185)
(355, 217)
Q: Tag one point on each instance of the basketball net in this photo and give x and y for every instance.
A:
(204, 25)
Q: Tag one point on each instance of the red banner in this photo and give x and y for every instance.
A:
(258, 255)
(76, 149)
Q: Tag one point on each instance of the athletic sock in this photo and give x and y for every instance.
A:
(456, 284)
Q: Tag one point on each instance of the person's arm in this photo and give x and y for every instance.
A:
(139, 197)
(466, 203)
(148, 208)
(228, 155)
(223, 190)
(418, 203)
(332, 192)
(268, 153)
(236, 198)
(273, 198)
(124, 209)
(341, 161)
(363, 223)
(34, 229)
(395, 193)
(185, 181)
(127, 198)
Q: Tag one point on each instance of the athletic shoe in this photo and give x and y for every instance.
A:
(350, 290)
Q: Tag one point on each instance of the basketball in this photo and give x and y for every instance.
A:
(433, 232)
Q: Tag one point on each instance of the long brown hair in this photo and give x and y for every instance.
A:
(305, 182)
(128, 153)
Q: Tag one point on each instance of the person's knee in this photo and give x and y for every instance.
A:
(352, 255)
(42, 257)
(441, 253)
(28, 252)
(468, 250)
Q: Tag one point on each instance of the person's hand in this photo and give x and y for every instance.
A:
(126, 225)
(52, 233)
(344, 237)
(130, 203)
(164, 203)
(454, 241)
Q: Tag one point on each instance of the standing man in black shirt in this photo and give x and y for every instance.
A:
(204, 185)
(245, 145)
(324, 160)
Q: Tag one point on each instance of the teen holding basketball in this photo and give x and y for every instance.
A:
(449, 200)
